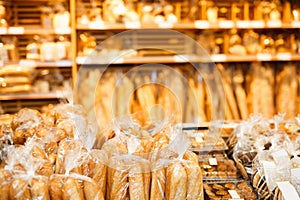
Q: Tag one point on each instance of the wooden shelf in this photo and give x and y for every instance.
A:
(186, 59)
(32, 96)
(33, 30)
(200, 24)
(41, 64)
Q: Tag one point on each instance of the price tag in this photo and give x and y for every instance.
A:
(27, 63)
(201, 24)
(213, 161)
(284, 56)
(264, 57)
(3, 30)
(296, 24)
(243, 24)
(219, 57)
(63, 63)
(62, 30)
(199, 139)
(180, 58)
(234, 195)
(165, 25)
(288, 190)
(132, 25)
(16, 30)
(257, 24)
(274, 23)
(226, 24)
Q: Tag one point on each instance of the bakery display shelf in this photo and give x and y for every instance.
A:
(198, 24)
(33, 30)
(186, 59)
(32, 96)
(42, 64)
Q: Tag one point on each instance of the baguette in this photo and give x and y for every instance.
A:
(194, 184)
(92, 191)
(119, 185)
(55, 188)
(19, 190)
(176, 182)
(62, 148)
(39, 189)
(99, 176)
(147, 180)
(72, 190)
(190, 156)
(158, 184)
(136, 185)
(5, 177)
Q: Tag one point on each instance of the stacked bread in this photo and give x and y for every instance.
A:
(51, 155)
(15, 79)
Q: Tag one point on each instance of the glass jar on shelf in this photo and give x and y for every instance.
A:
(46, 17)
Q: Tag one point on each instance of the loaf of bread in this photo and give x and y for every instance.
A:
(176, 184)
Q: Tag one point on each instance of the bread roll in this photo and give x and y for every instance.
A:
(39, 189)
(176, 182)
(72, 190)
(19, 190)
(158, 183)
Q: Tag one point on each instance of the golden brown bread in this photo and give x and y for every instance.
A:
(92, 191)
(119, 185)
(39, 189)
(19, 190)
(99, 175)
(158, 183)
(194, 184)
(5, 177)
(190, 156)
(59, 164)
(72, 190)
(147, 180)
(55, 187)
(136, 183)
(176, 182)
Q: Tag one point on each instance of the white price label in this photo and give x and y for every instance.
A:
(201, 24)
(274, 23)
(234, 195)
(199, 139)
(288, 190)
(257, 24)
(180, 58)
(27, 63)
(3, 30)
(264, 57)
(226, 24)
(132, 25)
(165, 25)
(62, 30)
(218, 58)
(284, 56)
(243, 24)
(213, 161)
(296, 24)
(16, 30)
